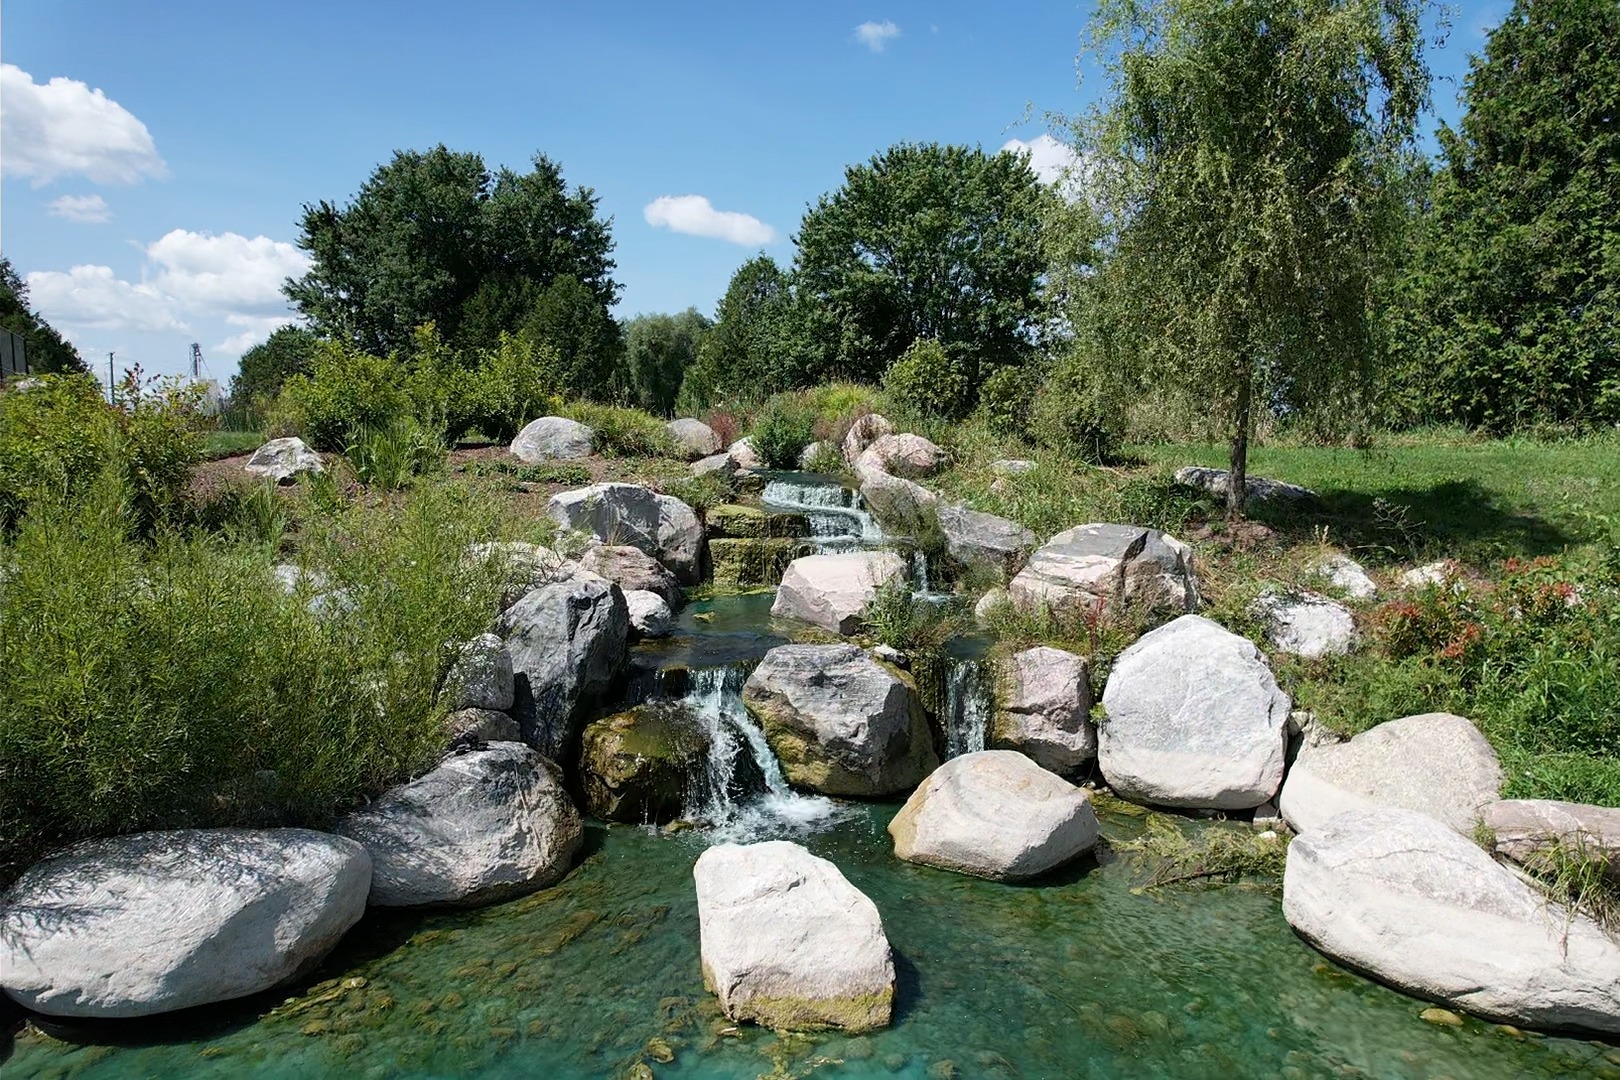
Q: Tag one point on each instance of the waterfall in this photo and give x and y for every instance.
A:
(724, 799)
(969, 699)
(837, 516)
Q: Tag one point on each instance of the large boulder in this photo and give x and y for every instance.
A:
(974, 538)
(1398, 895)
(553, 438)
(721, 465)
(910, 456)
(832, 591)
(158, 921)
(1435, 763)
(649, 614)
(1043, 708)
(281, 460)
(638, 766)
(902, 507)
(481, 677)
(566, 642)
(1305, 624)
(1531, 831)
(1194, 718)
(788, 942)
(1080, 567)
(865, 431)
(994, 814)
(633, 570)
(744, 455)
(485, 825)
(840, 722)
(693, 438)
(1258, 488)
(629, 514)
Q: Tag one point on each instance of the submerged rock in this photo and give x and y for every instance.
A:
(282, 460)
(649, 615)
(1194, 718)
(1305, 624)
(788, 943)
(994, 814)
(158, 921)
(553, 438)
(566, 642)
(693, 438)
(638, 766)
(1399, 895)
(1435, 763)
(633, 570)
(1259, 489)
(1530, 831)
(481, 677)
(486, 825)
(1112, 564)
(629, 514)
(832, 591)
(840, 722)
(1043, 708)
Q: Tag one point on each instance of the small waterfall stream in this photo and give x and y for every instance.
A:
(969, 700)
(837, 516)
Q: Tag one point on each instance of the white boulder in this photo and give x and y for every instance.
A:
(281, 460)
(906, 455)
(650, 616)
(833, 591)
(553, 438)
(1080, 567)
(863, 433)
(1306, 624)
(1043, 708)
(744, 455)
(1528, 830)
(1346, 575)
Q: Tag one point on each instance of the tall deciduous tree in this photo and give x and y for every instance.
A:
(1246, 166)
(434, 237)
(658, 351)
(48, 351)
(1510, 312)
(750, 351)
(926, 241)
(289, 351)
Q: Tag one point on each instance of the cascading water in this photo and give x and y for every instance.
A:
(969, 699)
(837, 516)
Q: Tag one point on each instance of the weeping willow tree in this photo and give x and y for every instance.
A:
(1248, 171)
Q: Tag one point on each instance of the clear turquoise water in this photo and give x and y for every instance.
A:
(1075, 977)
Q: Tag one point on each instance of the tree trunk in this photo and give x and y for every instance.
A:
(1238, 488)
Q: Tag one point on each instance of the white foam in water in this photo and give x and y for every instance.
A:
(968, 701)
(838, 519)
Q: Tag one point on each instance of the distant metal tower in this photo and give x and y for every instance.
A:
(196, 360)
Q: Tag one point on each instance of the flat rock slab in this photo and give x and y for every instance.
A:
(994, 814)
(484, 826)
(1529, 830)
(154, 922)
(1435, 763)
(1194, 718)
(1111, 564)
(1400, 896)
(788, 942)
(840, 722)
(1259, 489)
(282, 460)
(1307, 625)
(629, 514)
(1043, 708)
(833, 591)
(553, 438)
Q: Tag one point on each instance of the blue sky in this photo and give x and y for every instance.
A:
(151, 193)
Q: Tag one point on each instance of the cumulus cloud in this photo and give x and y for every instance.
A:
(228, 272)
(877, 35)
(89, 209)
(696, 216)
(64, 128)
(1051, 160)
(93, 297)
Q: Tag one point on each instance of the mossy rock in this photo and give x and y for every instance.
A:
(734, 521)
(637, 766)
(743, 563)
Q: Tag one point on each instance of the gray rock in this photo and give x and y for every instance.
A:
(1219, 482)
(1347, 576)
(840, 722)
(484, 826)
(566, 642)
(523, 567)
(481, 677)
(158, 921)
(1113, 564)
(1305, 624)
(1194, 718)
(833, 591)
(902, 507)
(1043, 708)
(483, 725)
(1398, 895)
(1436, 763)
(994, 814)
(788, 942)
(974, 538)
(629, 514)
(716, 464)
(650, 616)
(1011, 466)
(743, 454)
(1528, 831)
(633, 570)
(693, 438)
(863, 433)
(282, 460)
(553, 438)
(910, 456)
(985, 610)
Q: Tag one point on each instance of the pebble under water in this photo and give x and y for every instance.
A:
(1075, 976)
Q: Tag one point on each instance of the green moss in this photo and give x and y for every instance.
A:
(637, 764)
(735, 521)
(743, 563)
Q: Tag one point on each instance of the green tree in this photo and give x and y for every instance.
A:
(290, 350)
(568, 318)
(750, 351)
(1247, 173)
(926, 241)
(1510, 311)
(49, 352)
(434, 237)
(658, 351)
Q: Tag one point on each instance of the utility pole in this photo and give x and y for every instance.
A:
(109, 378)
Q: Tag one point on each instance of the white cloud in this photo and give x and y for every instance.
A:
(64, 128)
(228, 272)
(94, 297)
(88, 209)
(1051, 160)
(695, 216)
(258, 329)
(876, 35)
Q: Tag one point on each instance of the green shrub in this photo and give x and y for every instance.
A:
(622, 431)
(929, 381)
(783, 427)
(345, 393)
(158, 439)
(516, 384)
(391, 457)
(1006, 399)
(1071, 413)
